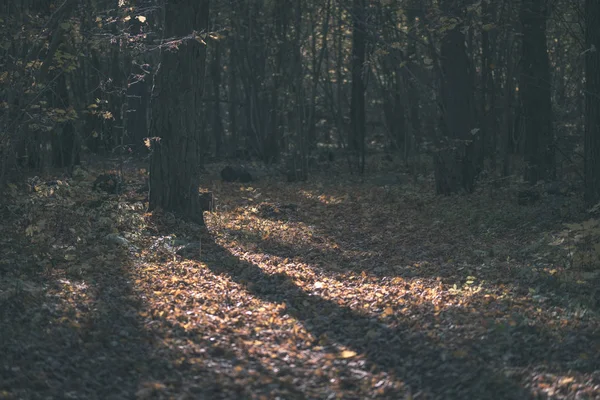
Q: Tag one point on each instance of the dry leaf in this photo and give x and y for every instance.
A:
(347, 354)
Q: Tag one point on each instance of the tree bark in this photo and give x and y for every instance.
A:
(179, 83)
(454, 163)
(592, 102)
(535, 94)
(233, 102)
(137, 109)
(414, 15)
(217, 120)
(357, 105)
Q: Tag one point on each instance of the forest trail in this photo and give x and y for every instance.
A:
(317, 290)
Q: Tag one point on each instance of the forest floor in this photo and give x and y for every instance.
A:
(337, 288)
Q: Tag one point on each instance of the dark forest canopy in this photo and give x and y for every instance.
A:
(475, 86)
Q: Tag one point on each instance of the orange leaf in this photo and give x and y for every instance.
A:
(388, 311)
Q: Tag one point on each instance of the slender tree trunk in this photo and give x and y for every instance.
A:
(233, 104)
(357, 106)
(592, 102)
(179, 82)
(508, 106)
(65, 143)
(413, 98)
(339, 80)
(535, 93)
(273, 135)
(317, 66)
(487, 89)
(215, 74)
(137, 108)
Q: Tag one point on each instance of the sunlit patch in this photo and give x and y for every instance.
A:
(354, 292)
(553, 384)
(323, 198)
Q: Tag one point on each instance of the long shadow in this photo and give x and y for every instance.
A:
(525, 344)
(532, 343)
(82, 334)
(344, 225)
(97, 345)
(321, 260)
(353, 221)
(396, 348)
(91, 345)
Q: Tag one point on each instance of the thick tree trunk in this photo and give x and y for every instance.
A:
(454, 164)
(174, 180)
(592, 102)
(535, 93)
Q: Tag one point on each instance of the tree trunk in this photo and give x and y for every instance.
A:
(357, 105)
(137, 109)
(454, 163)
(215, 74)
(233, 101)
(413, 99)
(316, 76)
(508, 131)
(174, 180)
(487, 88)
(534, 89)
(592, 102)
(65, 141)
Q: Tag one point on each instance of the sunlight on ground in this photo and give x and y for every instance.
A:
(297, 293)
(325, 199)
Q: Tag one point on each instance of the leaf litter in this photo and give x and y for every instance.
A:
(317, 290)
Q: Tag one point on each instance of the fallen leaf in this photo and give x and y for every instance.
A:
(347, 354)
(460, 353)
(566, 381)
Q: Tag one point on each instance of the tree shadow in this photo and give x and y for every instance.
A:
(517, 340)
(91, 345)
(102, 348)
(88, 333)
(96, 342)
(452, 254)
(395, 347)
(334, 261)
